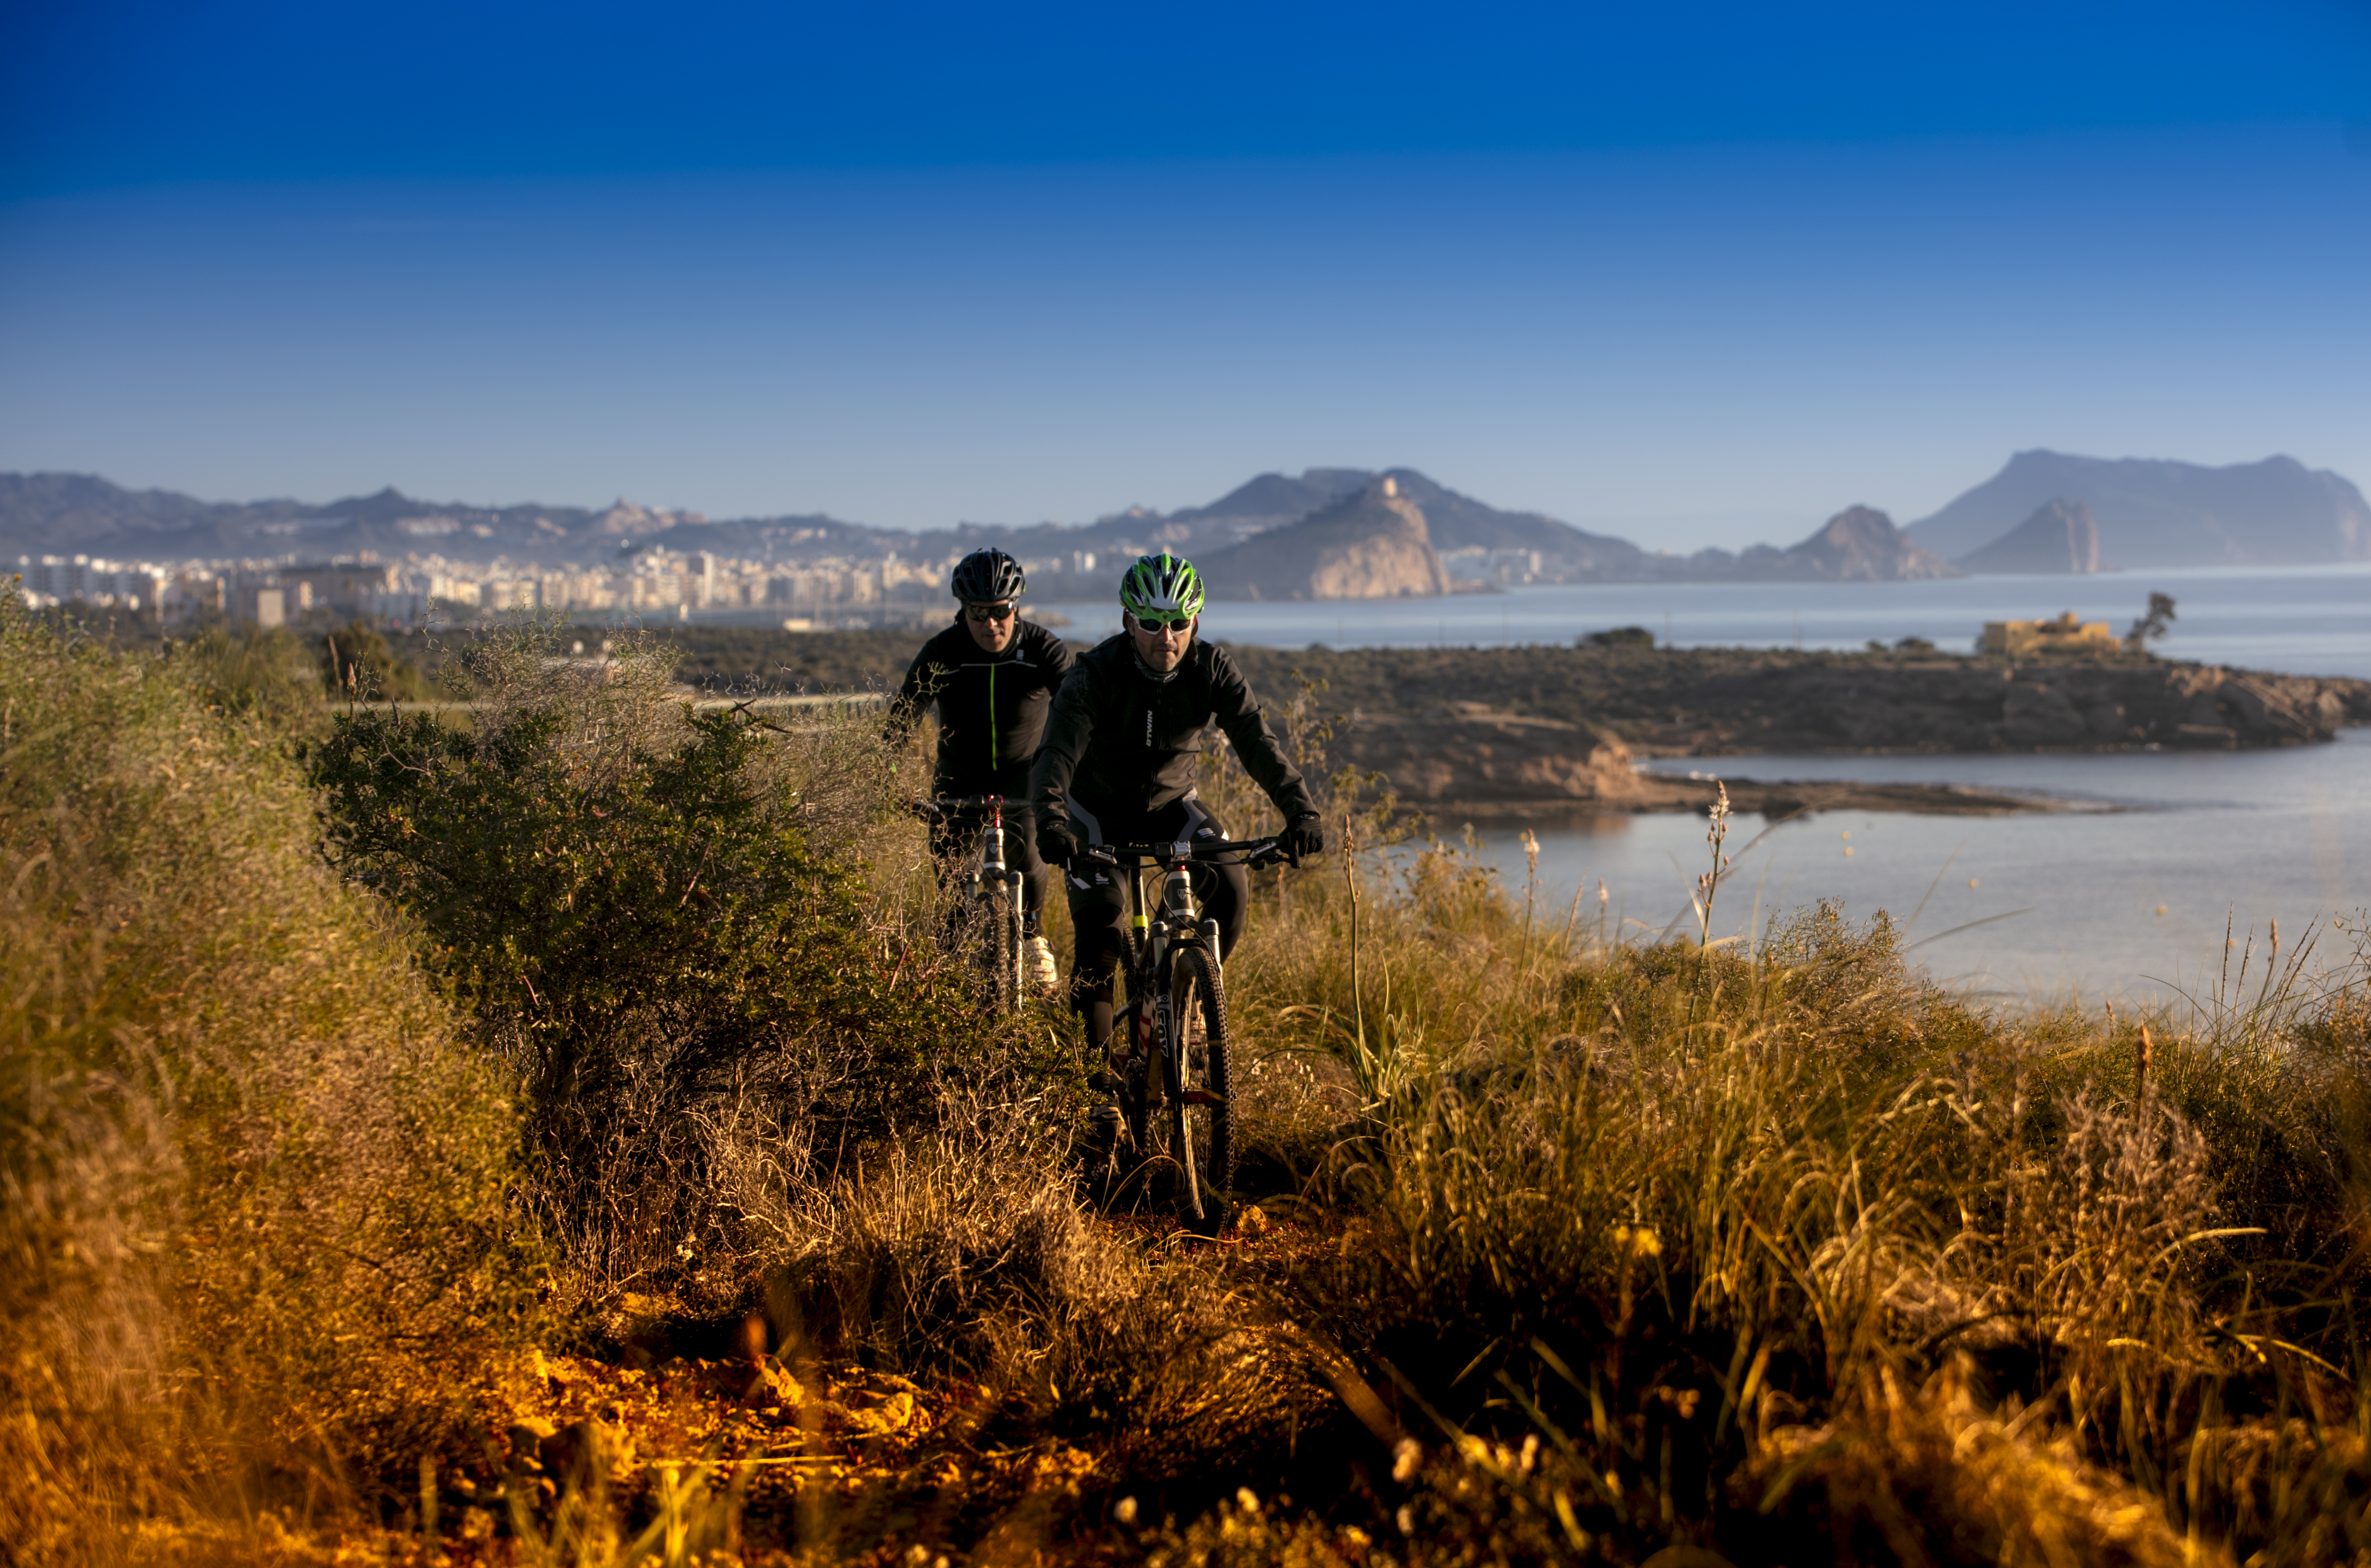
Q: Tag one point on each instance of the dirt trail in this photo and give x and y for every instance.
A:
(773, 1457)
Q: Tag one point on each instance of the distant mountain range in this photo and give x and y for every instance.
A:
(2043, 511)
(81, 514)
(2154, 513)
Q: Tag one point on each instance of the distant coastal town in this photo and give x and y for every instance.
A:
(655, 585)
(1326, 534)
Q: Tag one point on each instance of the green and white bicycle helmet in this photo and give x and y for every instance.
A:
(1162, 585)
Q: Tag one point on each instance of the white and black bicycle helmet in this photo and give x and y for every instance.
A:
(989, 577)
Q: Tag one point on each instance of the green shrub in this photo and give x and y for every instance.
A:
(657, 917)
(1620, 637)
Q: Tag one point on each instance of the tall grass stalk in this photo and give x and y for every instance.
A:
(1708, 885)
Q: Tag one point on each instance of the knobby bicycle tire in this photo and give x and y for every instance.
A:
(1204, 1128)
(1000, 961)
(1137, 1088)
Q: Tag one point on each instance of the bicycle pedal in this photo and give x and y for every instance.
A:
(1202, 1097)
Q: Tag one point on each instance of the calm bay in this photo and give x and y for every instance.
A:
(2070, 897)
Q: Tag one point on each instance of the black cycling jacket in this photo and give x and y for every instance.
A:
(991, 706)
(1119, 740)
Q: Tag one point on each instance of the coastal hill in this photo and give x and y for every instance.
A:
(81, 514)
(1373, 544)
(2061, 537)
(2153, 513)
(1453, 522)
(1859, 544)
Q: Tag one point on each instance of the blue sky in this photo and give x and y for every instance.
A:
(1704, 276)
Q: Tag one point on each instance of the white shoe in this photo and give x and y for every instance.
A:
(1037, 961)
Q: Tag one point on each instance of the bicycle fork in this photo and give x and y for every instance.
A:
(992, 872)
(1171, 1046)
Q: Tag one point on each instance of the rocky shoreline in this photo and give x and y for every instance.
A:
(1709, 702)
(1533, 734)
(1972, 706)
(1470, 761)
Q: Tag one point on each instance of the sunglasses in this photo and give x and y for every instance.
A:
(989, 612)
(1162, 623)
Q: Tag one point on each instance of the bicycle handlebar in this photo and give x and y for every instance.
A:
(942, 804)
(1256, 851)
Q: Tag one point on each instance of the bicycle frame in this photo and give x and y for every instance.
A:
(990, 877)
(1155, 1068)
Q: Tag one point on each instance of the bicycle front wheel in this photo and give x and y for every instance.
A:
(999, 947)
(1205, 1107)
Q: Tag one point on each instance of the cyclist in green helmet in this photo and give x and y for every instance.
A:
(1117, 767)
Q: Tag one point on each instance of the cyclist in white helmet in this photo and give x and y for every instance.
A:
(1117, 767)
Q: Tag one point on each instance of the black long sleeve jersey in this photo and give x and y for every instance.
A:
(991, 706)
(1120, 741)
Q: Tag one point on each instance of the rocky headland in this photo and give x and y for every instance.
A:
(1470, 760)
(2061, 537)
(1517, 732)
(1373, 544)
(1709, 701)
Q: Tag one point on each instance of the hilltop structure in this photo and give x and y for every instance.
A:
(2030, 639)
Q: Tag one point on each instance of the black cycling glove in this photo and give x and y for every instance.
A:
(1303, 837)
(1057, 845)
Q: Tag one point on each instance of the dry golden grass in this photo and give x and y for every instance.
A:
(1575, 1250)
(254, 1222)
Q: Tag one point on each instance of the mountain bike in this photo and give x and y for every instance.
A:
(990, 924)
(1174, 1058)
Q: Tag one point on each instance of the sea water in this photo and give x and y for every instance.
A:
(2126, 890)
(2304, 620)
